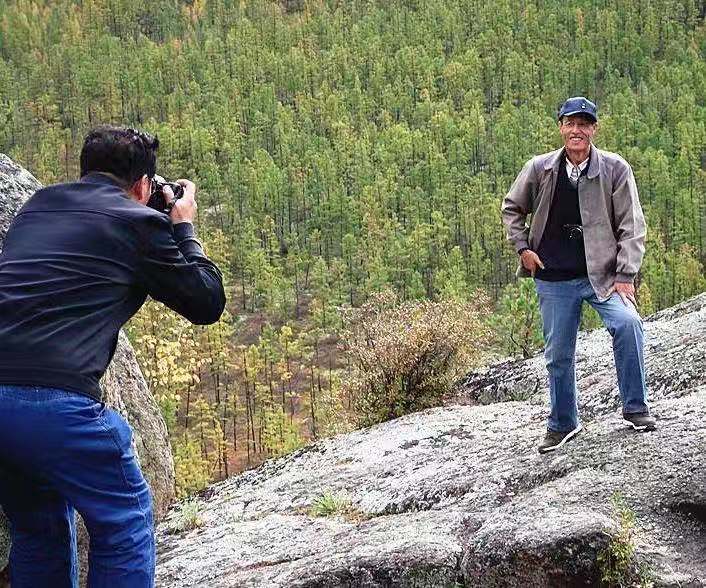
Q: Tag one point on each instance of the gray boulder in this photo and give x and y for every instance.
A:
(458, 495)
(125, 387)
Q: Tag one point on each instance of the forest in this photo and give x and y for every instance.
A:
(348, 148)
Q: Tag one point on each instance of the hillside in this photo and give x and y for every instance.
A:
(458, 495)
(343, 147)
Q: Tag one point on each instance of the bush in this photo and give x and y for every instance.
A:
(192, 467)
(405, 356)
(517, 323)
(617, 562)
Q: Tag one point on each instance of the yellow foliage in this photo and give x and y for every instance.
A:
(193, 470)
(406, 356)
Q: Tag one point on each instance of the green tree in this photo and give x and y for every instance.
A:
(517, 321)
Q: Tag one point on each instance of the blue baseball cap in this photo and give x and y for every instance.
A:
(579, 105)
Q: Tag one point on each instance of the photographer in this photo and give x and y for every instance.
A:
(78, 261)
(585, 244)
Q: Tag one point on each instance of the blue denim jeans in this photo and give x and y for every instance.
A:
(61, 451)
(560, 304)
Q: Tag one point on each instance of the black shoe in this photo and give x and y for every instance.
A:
(555, 439)
(640, 421)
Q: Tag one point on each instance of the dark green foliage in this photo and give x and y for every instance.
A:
(378, 134)
(517, 323)
(342, 147)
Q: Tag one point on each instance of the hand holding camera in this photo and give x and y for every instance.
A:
(177, 199)
(183, 208)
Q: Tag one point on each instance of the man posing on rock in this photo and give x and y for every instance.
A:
(78, 261)
(585, 244)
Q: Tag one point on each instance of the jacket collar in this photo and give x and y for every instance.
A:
(554, 160)
(556, 157)
(594, 165)
(100, 178)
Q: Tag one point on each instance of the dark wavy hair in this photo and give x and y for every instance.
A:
(123, 152)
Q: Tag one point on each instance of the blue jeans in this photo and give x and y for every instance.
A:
(560, 304)
(61, 451)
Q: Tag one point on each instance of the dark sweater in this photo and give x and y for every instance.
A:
(563, 258)
(78, 261)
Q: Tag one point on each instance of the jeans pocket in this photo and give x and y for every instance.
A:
(121, 432)
(98, 409)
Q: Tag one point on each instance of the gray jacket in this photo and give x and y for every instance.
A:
(613, 224)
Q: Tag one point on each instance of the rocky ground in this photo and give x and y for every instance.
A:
(458, 495)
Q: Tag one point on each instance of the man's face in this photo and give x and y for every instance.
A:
(577, 131)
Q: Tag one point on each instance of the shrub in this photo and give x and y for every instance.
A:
(185, 517)
(617, 563)
(517, 323)
(405, 356)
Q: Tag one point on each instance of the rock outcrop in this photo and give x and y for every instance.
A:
(458, 495)
(124, 386)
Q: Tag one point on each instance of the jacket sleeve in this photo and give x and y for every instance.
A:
(175, 271)
(517, 204)
(628, 223)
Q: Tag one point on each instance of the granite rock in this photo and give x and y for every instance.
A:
(458, 495)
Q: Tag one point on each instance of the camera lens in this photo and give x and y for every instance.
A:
(574, 232)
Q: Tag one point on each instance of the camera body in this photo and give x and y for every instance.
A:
(574, 232)
(158, 200)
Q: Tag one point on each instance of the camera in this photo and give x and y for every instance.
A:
(158, 200)
(574, 232)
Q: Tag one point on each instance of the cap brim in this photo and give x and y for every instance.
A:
(583, 112)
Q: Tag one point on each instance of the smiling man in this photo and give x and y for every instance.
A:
(585, 243)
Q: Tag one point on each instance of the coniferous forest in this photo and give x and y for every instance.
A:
(345, 148)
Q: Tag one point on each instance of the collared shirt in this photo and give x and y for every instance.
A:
(575, 169)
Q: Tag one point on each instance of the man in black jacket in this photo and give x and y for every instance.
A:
(78, 261)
